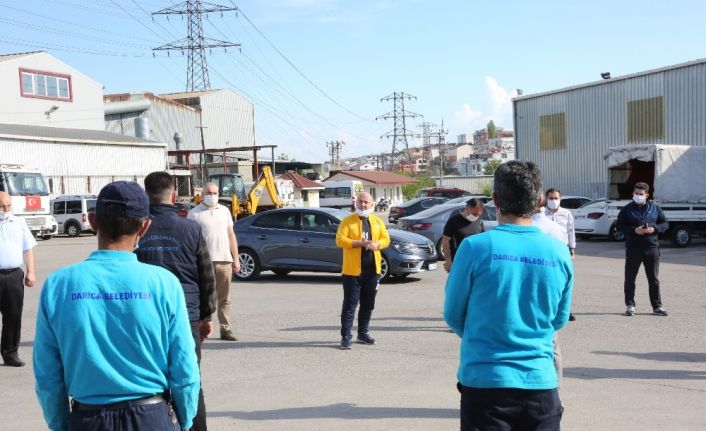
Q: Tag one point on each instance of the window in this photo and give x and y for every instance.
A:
(90, 205)
(318, 223)
(59, 208)
(73, 207)
(646, 119)
(45, 85)
(277, 220)
(552, 131)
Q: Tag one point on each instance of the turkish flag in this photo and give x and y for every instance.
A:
(33, 202)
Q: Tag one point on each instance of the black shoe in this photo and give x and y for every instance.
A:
(571, 317)
(346, 343)
(365, 339)
(659, 311)
(14, 361)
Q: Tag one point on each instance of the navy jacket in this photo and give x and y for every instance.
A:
(176, 244)
(633, 215)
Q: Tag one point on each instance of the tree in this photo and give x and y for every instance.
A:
(491, 166)
(492, 132)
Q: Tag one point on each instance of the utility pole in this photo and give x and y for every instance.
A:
(441, 142)
(195, 43)
(427, 129)
(334, 148)
(399, 133)
(204, 169)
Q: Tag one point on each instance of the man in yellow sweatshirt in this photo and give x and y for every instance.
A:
(361, 236)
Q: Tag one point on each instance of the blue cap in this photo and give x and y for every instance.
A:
(129, 194)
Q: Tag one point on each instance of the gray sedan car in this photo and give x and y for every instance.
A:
(304, 239)
(430, 223)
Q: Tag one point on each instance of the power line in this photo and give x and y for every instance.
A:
(295, 67)
(399, 132)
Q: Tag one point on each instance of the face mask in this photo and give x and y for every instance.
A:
(4, 215)
(137, 243)
(639, 199)
(553, 204)
(210, 200)
(363, 213)
(471, 218)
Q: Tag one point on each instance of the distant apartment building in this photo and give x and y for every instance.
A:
(480, 137)
(466, 138)
(502, 149)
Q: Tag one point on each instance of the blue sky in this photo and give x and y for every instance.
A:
(462, 59)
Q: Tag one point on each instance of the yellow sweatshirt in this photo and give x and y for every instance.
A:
(351, 229)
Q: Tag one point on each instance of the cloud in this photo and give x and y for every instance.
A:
(497, 107)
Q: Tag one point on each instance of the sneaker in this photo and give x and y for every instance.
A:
(346, 343)
(659, 311)
(630, 311)
(228, 335)
(571, 317)
(365, 339)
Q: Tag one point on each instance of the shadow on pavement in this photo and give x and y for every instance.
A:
(659, 356)
(373, 328)
(341, 411)
(587, 373)
(412, 319)
(216, 344)
(308, 278)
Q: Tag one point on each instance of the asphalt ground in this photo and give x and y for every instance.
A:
(287, 372)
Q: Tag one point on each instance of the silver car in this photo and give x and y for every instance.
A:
(304, 239)
(430, 223)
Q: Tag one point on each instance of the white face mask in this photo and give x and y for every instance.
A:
(553, 204)
(210, 200)
(363, 213)
(4, 215)
(639, 199)
(471, 218)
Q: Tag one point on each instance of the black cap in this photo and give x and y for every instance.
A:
(129, 194)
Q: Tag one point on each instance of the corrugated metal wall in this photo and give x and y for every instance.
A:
(229, 118)
(165, 119)
(83, 168)
(596, 120)
(474, 184)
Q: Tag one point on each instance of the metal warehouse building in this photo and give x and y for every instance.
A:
(567, 131)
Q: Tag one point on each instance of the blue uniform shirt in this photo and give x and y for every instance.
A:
(111, 329)
(508, 291)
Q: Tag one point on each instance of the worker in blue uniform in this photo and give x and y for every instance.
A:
(113, 334)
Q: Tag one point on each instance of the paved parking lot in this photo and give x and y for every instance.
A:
(287, 373)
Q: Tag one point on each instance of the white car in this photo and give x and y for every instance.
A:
(592, 220)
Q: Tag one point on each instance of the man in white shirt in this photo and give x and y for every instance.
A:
(563, 218)
(217, 229)
(16, 244)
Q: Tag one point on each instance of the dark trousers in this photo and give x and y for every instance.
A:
(200, 418)
(650, 259)
(153, 417)
(356, 289)
(503, 409)
(12, 294)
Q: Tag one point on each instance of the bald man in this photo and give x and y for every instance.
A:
(16, 243)
(361, 235)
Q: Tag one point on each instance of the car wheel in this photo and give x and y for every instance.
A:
(440, 250)
(249, 265)
(615, 234)
(46, 237)
(681, 236)
(281, 272)
(384, 269)
(73, 230)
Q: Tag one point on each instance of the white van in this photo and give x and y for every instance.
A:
(339, 194)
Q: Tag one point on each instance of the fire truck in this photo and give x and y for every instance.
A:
(30, 198)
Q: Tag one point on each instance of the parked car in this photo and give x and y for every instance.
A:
(464, 199)
(441, 192)
(71, 213)
(573, 202)
(412, 206)
(304, 239)
(430, 223)
(592, 220)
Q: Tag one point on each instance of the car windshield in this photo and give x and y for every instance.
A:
(25, 184)
(594, 204)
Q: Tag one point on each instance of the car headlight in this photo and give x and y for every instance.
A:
(405, 247)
